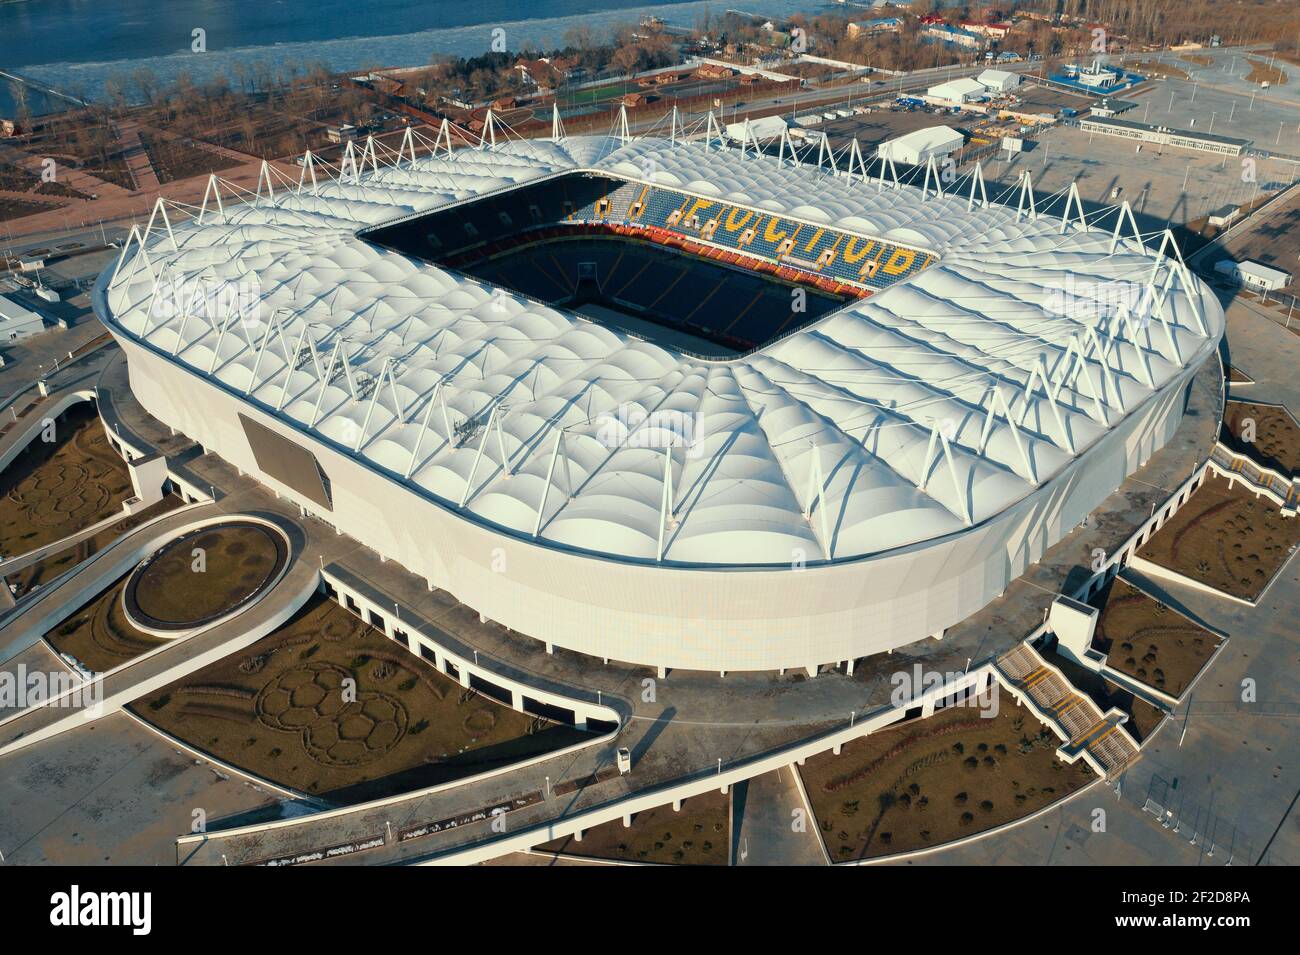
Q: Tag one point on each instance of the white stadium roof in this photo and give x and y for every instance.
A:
(881, 425)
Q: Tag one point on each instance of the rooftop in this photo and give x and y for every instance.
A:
(862, 395)
(1153, 128)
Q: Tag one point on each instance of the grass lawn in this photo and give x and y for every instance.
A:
(99, 636)
(279, 710)
(1225, 538)
(56, 488)
(698, 835)
(931, 781)
(597, 94)
(1277, 437)
(238, 560)
(1149, 642)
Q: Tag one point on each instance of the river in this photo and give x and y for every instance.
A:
(76, 45)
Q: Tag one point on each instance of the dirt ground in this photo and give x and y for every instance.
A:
(1277, 437)
(173, 160)
(56, 488)
(1261, 72)
(698, 835)
(1156, 68)
(932, 781)
(280, 710)
(1227, 539)
(1151, 643)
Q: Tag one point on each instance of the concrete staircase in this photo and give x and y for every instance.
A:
(1094, 735)
(1283, 492)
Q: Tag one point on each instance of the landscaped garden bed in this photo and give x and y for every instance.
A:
(1144, 639)
(1261, 71)
(697, 835)
(204, 575)
(283, 710)
(99, 636)
(1225, 538)
(18, 208)
(1157, 68)
(1277, 437)
(55, 488)
(41, 572)
(929, 782)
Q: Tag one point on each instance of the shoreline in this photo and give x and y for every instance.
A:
(395, 49)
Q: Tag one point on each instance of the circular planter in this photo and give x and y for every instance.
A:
(204, 575)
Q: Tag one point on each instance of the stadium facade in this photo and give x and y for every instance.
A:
(850, 485)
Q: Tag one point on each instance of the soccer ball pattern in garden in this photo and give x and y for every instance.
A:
(310, 700)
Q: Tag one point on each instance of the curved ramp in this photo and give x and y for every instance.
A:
(170, 662)
(38, 613)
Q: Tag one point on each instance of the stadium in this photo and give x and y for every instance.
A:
(665, 401)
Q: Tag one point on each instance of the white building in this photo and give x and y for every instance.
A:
(1164, 135)
(919, 145)
(999, 81)
(1253, 274)
(1096, 76)
(859, 485)
(17, 322)
(1101, 80)
(1224, 216)
(956, 92)
(766, 127)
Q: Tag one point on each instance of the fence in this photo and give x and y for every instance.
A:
(1218, 839)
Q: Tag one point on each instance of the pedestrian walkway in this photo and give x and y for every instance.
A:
(137, 158)
(770, 823)
(172, 660)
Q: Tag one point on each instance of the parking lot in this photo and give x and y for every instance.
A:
(1217, 99)
(1177, 186)
(882, 124)
(1274, 240)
